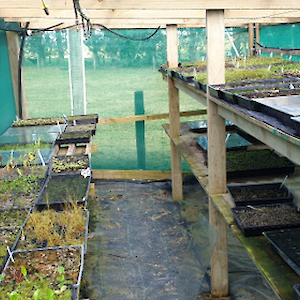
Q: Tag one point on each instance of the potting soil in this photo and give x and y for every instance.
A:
(143, 245)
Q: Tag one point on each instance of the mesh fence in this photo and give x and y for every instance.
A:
(115, 68)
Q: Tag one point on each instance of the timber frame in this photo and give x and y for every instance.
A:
(173, 14)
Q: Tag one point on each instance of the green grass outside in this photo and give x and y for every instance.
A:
(110, 93)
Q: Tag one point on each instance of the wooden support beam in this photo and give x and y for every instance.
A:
(174, 116)
(13, 51)
(215, 30)
(133, 175)
(251, 38)
(257, 37)
(150, 117)
(71, 149)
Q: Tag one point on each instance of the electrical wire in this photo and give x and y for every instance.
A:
(52, 29)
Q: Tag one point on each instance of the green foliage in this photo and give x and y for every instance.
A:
(37, 288)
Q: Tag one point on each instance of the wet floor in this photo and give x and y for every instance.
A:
(142, 245)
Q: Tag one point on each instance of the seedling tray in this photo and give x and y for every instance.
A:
(59, 192)
(286, 243)
(234, 142)
(259, 194)
(30, 240)
(39, 121)
(297, 290)
(34, 259)
(83, 119)
(74, 138)
(287, 216)
(199, 85)
(201, 126)
(81, 128)
(257, 163)
(66, 165)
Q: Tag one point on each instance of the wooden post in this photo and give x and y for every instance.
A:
(13, 51)
(257, 39)
(215, 30)
(174, 116)
(251, 39)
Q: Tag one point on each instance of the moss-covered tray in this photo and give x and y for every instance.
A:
(257, 163)
(83, 119)
(39, 121)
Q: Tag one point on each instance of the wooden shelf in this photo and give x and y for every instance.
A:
(280, 276)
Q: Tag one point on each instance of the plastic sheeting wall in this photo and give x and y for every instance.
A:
(116, 68)
(7, 104)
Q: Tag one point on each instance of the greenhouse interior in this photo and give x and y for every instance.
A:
(179, 123)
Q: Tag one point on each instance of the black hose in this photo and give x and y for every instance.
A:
(20, 70)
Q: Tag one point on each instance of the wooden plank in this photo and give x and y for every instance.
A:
(154, 14)
(215, 31)
(133, 175)
(257, 36)
(216, 123)
(251, 38)
(155, 4)
(150, 117)
(173, 93)
(71, 149)
(13, 51)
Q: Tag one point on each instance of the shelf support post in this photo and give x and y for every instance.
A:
(215, 30)
(174, 113)
(251, 39)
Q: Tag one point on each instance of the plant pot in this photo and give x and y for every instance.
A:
(259, 194)
(61, 191)
(286, 243)
(50, 228)
(74, 138)
(69, 164)
(45, 262)
(257, 163)
(253, 220)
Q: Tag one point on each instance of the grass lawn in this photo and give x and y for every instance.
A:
(110, 93)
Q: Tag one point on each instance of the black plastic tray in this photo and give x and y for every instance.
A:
(74, 138)
(201, 126)
(297, 290)
(234, 160)
(61, 201)
(258, 230)
(287, 244)
(199, 85)
(76, 128)
(259, 201)
(85, 157)
(83, 119)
